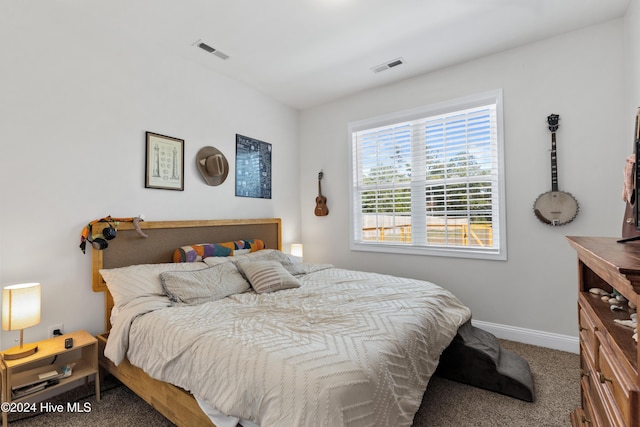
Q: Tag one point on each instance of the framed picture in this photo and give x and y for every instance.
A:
(253, 168)
(164, 162)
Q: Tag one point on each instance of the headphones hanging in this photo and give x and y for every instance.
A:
(99, 241)
(109, 232)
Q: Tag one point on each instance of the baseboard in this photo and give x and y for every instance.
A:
(530, 336)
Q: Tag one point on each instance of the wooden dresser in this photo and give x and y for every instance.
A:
(609, 384)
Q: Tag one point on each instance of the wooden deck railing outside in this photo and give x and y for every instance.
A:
(480, 235)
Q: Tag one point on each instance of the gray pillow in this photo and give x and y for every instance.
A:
(267, 276)
(200, 286)
(141, 280)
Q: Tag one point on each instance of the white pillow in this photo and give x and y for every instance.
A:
(217, 260)
(267, 276)
(264, 254)
(129, 283)
(294, 259)
(200, 286)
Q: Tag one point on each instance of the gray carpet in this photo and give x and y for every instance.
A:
(446, 403)
(556, 377)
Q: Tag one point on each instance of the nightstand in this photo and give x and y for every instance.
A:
(30, 376)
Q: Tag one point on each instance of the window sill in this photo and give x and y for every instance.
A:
(443, 251)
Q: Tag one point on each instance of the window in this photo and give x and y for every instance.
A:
(429, 181)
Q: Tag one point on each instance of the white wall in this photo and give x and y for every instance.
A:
(632, 53)
(75, 102)
(578, 76)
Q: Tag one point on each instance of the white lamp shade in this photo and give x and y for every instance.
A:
(20, 306)
(296, 249)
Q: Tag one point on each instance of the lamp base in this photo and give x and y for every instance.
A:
(18, 352)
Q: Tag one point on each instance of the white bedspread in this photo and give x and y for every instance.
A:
(347, 348)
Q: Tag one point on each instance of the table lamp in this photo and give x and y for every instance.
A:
(20, 309)
(296, 250)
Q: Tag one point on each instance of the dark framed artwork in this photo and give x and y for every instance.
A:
(164, 162)
(253, 168)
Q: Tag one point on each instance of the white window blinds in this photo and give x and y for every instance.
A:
(429, 180)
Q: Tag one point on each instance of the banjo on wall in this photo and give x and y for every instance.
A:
(555, 207)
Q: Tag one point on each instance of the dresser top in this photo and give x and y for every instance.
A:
(617, 263)
(625, 257)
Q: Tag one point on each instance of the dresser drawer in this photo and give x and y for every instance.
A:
(587, 329)
(587, 365)
(593, 413)
(615, 384)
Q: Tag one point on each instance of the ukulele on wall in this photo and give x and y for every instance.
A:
(321, 201)
(555, 207)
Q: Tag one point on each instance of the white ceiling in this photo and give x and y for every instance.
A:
(307, 52)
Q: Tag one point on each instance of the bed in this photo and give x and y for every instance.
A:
(329, 347)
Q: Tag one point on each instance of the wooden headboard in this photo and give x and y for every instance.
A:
(129, 248)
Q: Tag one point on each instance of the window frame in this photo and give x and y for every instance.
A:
(498, 214)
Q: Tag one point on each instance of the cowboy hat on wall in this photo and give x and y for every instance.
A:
(213, 165)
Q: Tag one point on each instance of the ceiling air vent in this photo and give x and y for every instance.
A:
(387, 65)
(202, 45)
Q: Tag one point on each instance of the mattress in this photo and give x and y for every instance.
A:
(346, 348)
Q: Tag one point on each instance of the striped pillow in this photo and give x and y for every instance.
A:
(267, 276)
